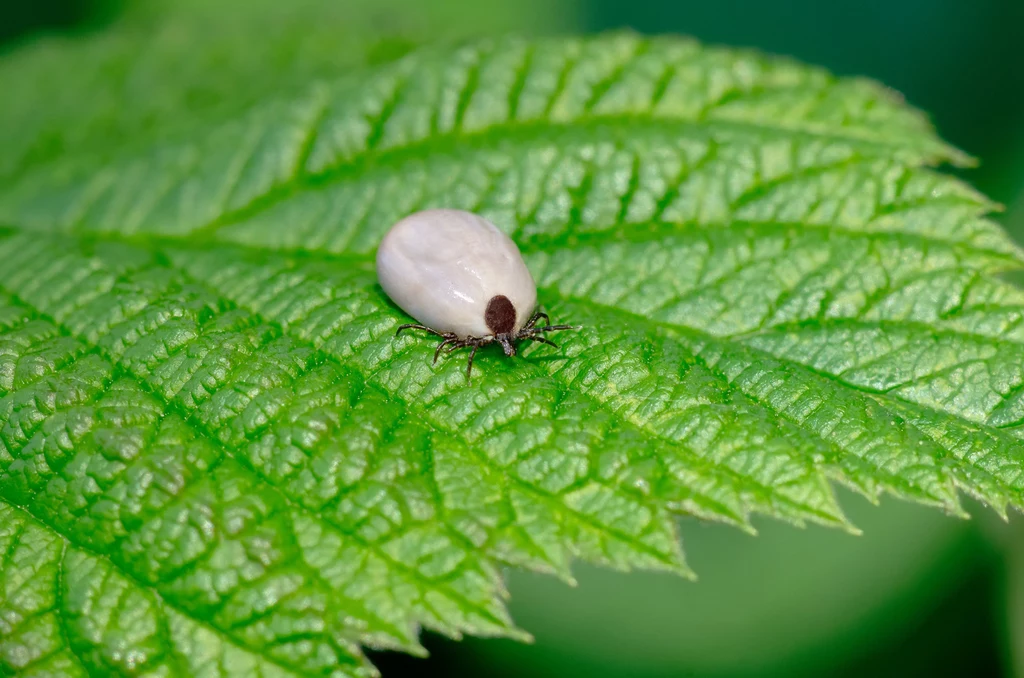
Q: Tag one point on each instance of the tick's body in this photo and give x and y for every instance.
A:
(462, 279)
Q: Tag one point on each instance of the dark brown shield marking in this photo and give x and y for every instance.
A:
(500, 315)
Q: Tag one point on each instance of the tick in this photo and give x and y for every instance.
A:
(463, 280)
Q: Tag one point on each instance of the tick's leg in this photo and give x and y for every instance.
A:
(533, 320)
(470, 341)
(541, 340)
(416, 326)
(469, 367)
(552, 328)
(447, 340)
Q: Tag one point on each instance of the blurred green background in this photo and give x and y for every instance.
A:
(920, 594)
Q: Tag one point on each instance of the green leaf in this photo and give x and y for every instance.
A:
(214, 453)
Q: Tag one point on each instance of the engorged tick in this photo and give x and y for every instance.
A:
(462, 279)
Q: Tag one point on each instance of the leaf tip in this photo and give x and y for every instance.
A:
(839, 519)
(521, 636)
(415, 649)
(679, 568)
(956, 510)
(852, 529)
(957, 158)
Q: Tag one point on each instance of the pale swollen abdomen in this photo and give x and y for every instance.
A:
(450, 269)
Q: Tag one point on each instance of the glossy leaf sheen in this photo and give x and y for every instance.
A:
(216, 459)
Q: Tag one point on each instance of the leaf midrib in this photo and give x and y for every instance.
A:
(995, 261)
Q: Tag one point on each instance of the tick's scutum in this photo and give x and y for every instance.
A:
(500, 315)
